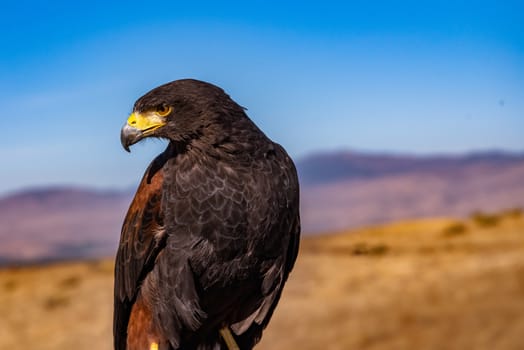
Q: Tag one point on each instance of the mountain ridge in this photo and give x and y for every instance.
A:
(323, 167)
(339, 190)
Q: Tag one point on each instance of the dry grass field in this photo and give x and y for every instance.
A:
(428, 284)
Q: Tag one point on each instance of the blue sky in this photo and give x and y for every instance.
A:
(418, 77)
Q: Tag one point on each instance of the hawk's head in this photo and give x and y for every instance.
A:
(179, 111)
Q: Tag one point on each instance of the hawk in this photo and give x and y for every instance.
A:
(213, 231)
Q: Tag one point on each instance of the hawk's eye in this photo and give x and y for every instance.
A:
(163, 110)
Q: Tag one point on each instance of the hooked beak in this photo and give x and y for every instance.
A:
(139, 126)
(129, 136)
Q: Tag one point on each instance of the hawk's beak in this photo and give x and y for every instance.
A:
(129, 135)
(139, 126)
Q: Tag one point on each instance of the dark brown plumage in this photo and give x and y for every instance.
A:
(213, 231)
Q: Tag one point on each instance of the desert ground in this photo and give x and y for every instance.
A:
(424, 284)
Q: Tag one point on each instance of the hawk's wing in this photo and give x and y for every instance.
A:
(249, 331)
(141, 240)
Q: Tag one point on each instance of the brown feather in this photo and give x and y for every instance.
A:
(140, 330)
(140, 242)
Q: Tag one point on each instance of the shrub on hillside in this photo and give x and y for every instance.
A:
(485, 220)
(369, 249)
(514, 213)
(56, 301)
(70, 282)
(10, 285)
(454, 229)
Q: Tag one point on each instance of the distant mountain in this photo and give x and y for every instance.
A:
(347, 189)
(59, 223)
(339, 190)
(322, 168)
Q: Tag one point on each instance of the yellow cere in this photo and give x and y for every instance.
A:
(153, 346)
(149, 121)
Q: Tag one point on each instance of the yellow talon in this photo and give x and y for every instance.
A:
(154, 346)
(228, 338)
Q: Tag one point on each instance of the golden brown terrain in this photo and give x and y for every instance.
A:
(428, 284)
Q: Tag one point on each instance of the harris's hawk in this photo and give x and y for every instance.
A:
(213, 230)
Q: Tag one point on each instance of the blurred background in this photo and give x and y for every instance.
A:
(405, 121)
